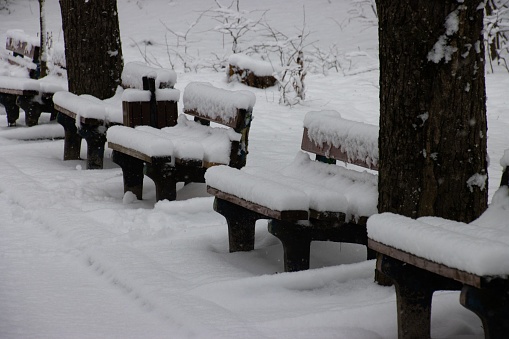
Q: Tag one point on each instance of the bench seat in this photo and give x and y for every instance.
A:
(431, 254)
(188, 140)
(25, 86)
(88, 109)
(303, 185)
(480, 248)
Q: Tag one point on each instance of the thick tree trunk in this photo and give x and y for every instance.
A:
(93, 49)
(432, 140)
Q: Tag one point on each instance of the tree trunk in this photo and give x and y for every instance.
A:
(432, 141)
(44, 48)
(93, 49)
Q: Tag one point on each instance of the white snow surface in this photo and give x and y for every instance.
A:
(78, 259)
(481, 247)
(19, 36)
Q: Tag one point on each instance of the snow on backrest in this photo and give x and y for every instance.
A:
(21, 42)
(215, 103)
(134, 72)
(358, 140)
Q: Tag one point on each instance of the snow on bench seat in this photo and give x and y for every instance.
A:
(27, 86)
(480, 247)
(327, 188)
(86, 108)
(302, 185)
(188, 139)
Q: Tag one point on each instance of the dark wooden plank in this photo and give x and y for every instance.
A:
(288, 215)
(20, 48)
(137, 154)
(234, 123)
(65, 111)
(18, 91)
(330, 151)
(83, 120)
(443, 270)
(327, 216)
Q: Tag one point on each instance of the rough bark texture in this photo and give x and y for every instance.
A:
(43, 39)
(432, 110)
(93, 49)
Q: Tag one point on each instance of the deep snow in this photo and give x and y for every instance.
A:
(78, 259)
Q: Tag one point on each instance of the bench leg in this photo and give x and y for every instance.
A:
(32, 108)
(414, 292)
(241, 224)
(96, 139)
(491, 306)
(296, 244)
(72, 141)
(132, 171)
(12, 110)
(162, 175)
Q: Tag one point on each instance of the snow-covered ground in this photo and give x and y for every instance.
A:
(78, 260)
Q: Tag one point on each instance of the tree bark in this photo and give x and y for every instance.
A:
(43, 39)
(432, 141)
(93, 49)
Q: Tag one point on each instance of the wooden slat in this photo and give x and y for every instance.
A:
(327, 216)
(137, 154)
(233, 123)
(20, 48)
(288, 215)
(330, 151)
(17, 91)
(443, 270)
(83, 120)
(189, 162)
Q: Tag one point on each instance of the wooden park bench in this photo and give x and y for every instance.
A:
(307, 200)
(431, 254)
(32, 95)
(148, 98)
(184, 152)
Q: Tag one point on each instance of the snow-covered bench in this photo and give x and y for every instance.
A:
(252, 72)
(32, 95)
(183, 153)
(87, 117)
(307, 200)
(430, 254)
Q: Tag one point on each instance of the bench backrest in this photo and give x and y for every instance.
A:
(134, 72)
(333, 138)
(23, 45)
(149, 98)
(229, 108)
